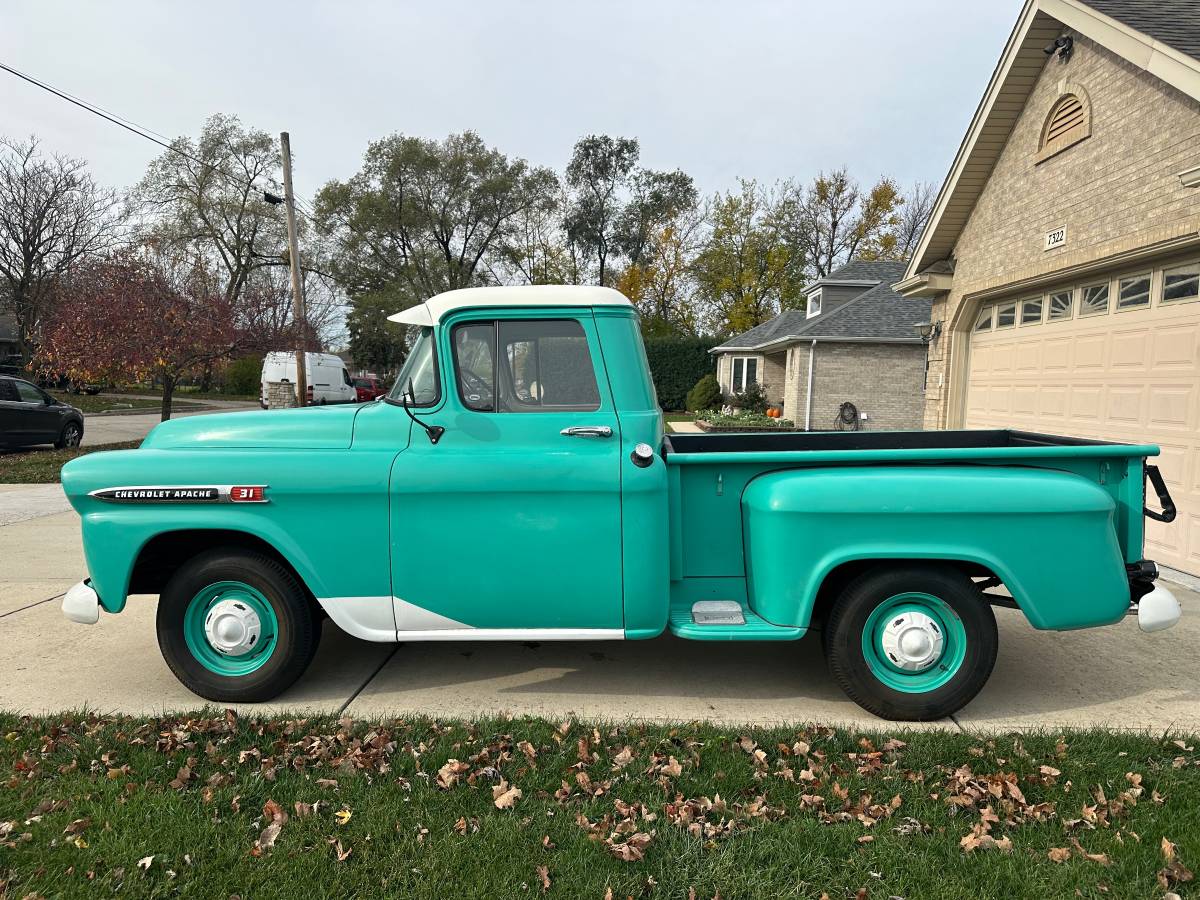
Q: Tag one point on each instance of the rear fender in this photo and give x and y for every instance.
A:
(1048, 535)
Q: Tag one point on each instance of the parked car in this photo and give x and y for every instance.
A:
(328, 380)
(368, 388)
(29, 416)
(517, 485)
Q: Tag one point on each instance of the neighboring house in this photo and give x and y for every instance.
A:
(1063, 254)
(857, 343)
(9, 345)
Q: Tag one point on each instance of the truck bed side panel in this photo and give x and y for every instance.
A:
(1048, 534)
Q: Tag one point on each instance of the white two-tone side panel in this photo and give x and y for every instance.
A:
(390, 619)
(366, 618)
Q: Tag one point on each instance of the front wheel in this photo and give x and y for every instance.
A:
(70, 436)
(913, 642)
(236, 627)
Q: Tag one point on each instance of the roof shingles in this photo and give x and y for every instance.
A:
(878, 313)
(1175, 23)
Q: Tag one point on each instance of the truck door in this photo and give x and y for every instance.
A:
(511, 524)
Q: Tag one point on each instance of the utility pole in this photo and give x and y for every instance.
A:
(300, 314)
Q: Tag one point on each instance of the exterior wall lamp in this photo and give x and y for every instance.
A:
(928, 331)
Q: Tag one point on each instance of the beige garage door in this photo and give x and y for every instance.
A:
(1111, 360)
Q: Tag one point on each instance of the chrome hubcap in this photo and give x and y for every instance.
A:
(912, 641)
(232, 628)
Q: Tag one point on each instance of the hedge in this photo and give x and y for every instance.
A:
(676, 364)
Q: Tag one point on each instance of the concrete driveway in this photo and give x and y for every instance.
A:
(1113, 676)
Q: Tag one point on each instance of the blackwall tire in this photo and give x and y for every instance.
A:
(911, 642)
(268, 594)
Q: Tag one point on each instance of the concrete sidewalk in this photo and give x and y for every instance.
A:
(1113, 676)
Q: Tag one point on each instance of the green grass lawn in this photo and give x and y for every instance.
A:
(95, 404)
(40, 466)
(213, 805)
(189, 392)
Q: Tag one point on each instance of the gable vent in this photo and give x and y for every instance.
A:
(1068, 123)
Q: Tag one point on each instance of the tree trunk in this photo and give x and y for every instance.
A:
(167, 394)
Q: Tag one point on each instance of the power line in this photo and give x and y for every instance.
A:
(134, 128)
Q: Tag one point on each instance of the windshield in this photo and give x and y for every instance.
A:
(421, 369)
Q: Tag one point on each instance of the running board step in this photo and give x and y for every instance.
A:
(725, 620)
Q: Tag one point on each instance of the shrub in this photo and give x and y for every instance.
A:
(705, 394)
(676, 364)
(244, 375)
(753, 399)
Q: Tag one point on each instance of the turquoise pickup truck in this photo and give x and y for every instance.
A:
(517, 485)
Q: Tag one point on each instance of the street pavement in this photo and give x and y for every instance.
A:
(1114, 676)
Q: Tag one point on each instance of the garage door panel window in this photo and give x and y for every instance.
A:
(984, 322)
(1094, 300)
(1031, 311)
(1006, 315)
(1133, 291)
(1181, 283)
(1062, 305)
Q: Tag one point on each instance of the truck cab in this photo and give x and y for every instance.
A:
(516, 484)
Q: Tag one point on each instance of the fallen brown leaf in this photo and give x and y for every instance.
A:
(504, 795)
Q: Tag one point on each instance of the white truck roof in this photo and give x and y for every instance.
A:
(436, 308)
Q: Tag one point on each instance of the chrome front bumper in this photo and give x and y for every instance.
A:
(82, 604)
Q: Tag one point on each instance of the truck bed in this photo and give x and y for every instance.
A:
(709, 473)
(841, 441)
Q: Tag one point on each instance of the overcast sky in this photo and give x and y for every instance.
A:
(748, 88)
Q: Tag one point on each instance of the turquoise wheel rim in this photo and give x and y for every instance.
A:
(219, 628)
(914, 642)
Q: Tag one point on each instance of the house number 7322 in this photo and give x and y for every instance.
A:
(1056, 238)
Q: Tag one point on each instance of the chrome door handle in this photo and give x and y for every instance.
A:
(587, 431)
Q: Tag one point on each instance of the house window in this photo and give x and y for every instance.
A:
(1031, 311)
(1094, 300)
(984, 322)
(1068, 123)
(814, 304)
(1133, 291)
(745, 373)
(1061, 304)
(1181, 283)
(1006, 315)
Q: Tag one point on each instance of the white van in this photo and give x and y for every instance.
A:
(328, 380)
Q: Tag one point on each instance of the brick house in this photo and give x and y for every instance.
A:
(856, 342)
(1063, 254)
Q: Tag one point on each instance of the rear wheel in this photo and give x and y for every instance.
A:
(235, 626)
(913, 642)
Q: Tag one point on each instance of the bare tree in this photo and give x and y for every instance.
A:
(914, 215)
(52, 216)
(833, 220)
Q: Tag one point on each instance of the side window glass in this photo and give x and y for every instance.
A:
(473, 347)
(28, 393)
(546, 365)
(7, 391)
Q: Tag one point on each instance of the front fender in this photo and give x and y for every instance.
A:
(1048, 535)
(326, 513)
